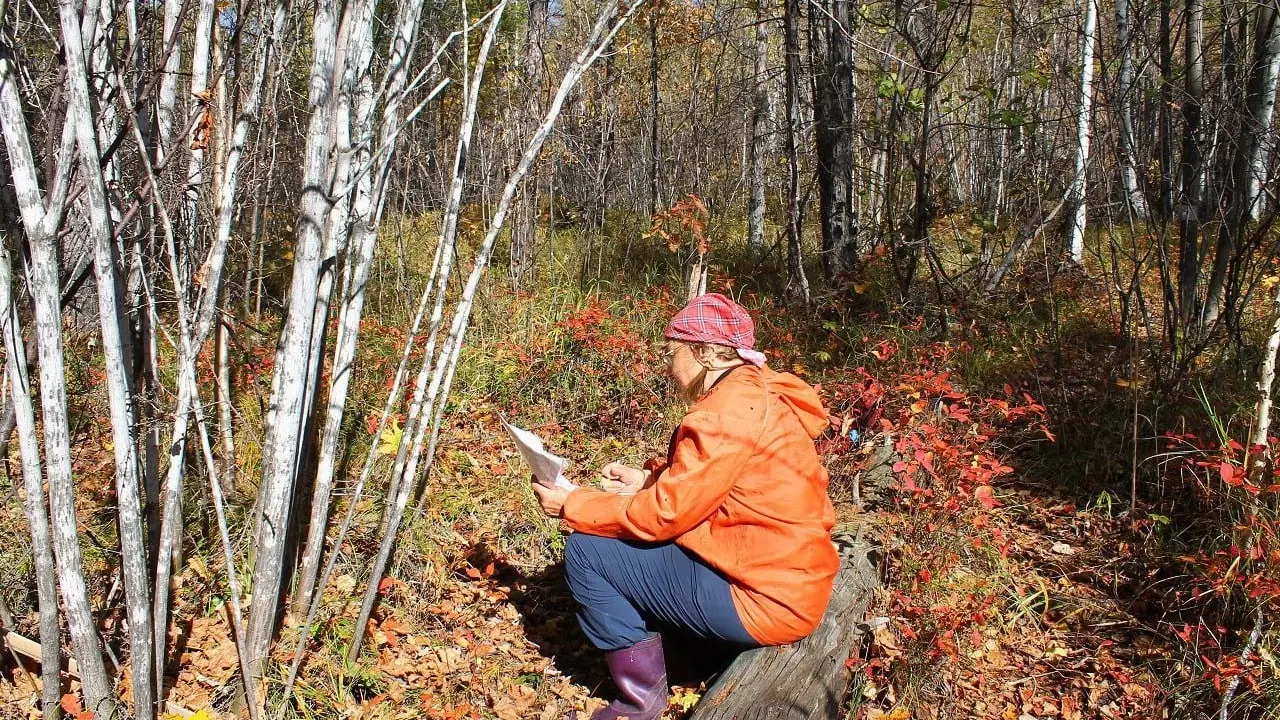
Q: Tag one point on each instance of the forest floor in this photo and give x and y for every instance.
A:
(990, 460)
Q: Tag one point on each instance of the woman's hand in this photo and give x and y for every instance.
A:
(619, 478)
(552, 499)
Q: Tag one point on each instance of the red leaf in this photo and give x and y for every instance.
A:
(71, 705)
(986, 496)
(1229, 474)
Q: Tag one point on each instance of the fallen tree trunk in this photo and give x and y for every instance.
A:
(808, 679)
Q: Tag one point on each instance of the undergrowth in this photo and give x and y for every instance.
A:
(1060, 535)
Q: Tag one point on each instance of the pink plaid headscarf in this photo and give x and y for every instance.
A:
(714, 318)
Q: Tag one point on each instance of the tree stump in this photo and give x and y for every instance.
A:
(807, 679)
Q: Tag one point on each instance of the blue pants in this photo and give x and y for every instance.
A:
(621, 585)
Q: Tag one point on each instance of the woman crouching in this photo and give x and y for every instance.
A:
(726, 537)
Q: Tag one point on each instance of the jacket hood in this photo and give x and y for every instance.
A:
(801, 398)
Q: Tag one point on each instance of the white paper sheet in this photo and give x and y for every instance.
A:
(548, 468)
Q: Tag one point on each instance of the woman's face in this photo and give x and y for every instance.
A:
(683, 367)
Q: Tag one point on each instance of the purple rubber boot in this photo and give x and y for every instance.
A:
(640, 673)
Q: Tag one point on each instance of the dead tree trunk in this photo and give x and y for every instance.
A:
(832, 52)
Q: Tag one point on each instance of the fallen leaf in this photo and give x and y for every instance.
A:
(986, 495)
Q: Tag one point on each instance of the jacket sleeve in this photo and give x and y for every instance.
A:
(708, 455)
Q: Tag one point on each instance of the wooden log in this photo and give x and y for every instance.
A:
(31, 649)
(808, 679)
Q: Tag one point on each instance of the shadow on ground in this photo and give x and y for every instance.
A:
(548, 609)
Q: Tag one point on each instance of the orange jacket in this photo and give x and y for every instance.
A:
(742, 488)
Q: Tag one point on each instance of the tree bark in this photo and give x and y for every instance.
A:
(42, 217)
(833, 117)
(797, 283)
(1261, 116)
(366, 209)
(33, 483)
(114, 328)
(167, 101)
(759, 142)
(1078, 188)
(1124, 109)
(1259, 101)
(524, 231)
(1192, 164)
(293, 385)
(1262, 407)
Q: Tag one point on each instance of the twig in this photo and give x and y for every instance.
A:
(237, 624)
(1254, 637)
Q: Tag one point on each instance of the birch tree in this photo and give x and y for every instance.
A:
(436, 294)
(293, 384)
(424, 415)
(1192, 163)
(42, 219)
(370, 198)
(1262, 110)
(33, 483)
(1258, 102)
(1124, 112)
(196, 317)
(797, 282)
(758, 143)
(1078, 187)
(129, 506)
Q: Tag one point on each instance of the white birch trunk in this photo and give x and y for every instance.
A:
(132, 538)
(224, 400)
(283, 445)
(57, 443)
(367, 203)
(1124, 108)
(1262, 107)
(167, 99)
(758, 142)
(1259, 100)
(200, 102)
(1078, 188)
(41, 223)
(439, 283)
(1262, 408)
(199, 326)
(33, 483)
